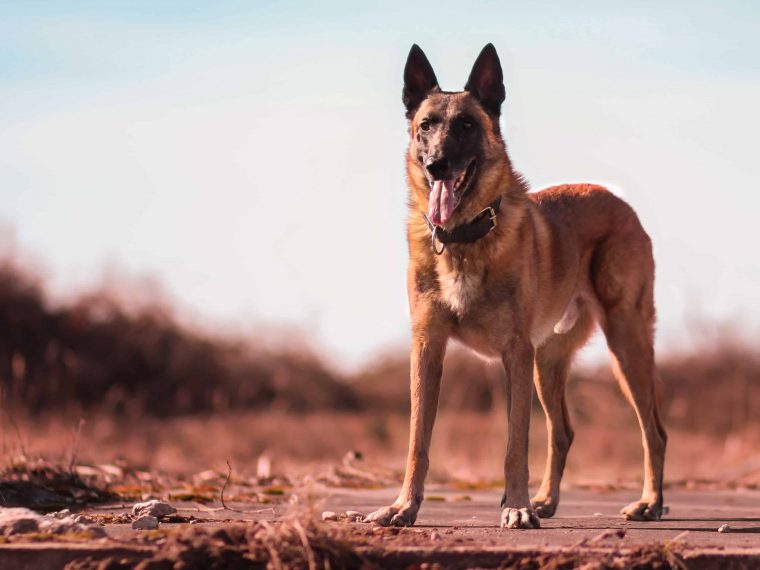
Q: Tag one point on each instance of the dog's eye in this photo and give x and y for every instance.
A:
(425, 125)
(467, 125)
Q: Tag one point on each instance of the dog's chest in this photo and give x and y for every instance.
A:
(459, 288)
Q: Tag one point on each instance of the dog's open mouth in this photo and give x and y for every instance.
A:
(445, 195)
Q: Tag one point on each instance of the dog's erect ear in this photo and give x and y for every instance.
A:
(419, 80)
(486, 82)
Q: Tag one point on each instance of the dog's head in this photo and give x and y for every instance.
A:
(456, 154)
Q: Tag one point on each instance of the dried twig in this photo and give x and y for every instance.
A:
(75, 445)
(226, 481)
(225, 507)
(306, 546)
(110, 507)
(275, 558)
(12, 420)
(604, 535)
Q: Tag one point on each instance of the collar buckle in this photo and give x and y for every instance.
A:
(491, 216)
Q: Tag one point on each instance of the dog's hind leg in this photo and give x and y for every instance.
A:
(624, 282)
(552, 363)
(633, 363)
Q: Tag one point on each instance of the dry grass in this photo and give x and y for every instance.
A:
(466, 447)
(298, 543)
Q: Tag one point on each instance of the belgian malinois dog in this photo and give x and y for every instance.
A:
(518, 277)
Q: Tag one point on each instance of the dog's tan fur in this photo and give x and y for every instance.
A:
(529, 293)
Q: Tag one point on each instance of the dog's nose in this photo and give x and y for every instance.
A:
(438, 167)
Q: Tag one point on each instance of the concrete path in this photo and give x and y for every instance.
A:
(693, 517)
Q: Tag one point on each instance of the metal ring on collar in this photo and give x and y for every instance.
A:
(433, 238)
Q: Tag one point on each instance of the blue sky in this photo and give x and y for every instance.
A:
(250, 154)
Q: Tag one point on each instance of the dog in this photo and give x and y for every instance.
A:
(518, 277)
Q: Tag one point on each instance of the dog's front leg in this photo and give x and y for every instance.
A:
(426, 367)
(517, 511)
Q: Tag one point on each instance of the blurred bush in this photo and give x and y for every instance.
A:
(713, 388)
(96, 353)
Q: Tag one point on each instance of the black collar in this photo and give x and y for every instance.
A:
(479, 227)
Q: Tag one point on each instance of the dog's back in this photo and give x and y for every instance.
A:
(590, 211)
(614, 253)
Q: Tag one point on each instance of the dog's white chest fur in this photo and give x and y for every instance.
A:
(459, 288)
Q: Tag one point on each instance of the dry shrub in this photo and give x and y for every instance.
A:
(95, 353)
(468, 383)
(712, 389)
(45, 486)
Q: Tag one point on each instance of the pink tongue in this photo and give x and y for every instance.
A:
(442, 201)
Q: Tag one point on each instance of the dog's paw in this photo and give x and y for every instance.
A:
(545, 507)
(642, 511)
(393, 516)
(519, 518)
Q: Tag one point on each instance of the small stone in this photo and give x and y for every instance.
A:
(724, 528)
(264, 466)
(112, 471)
(354, 516)
(206, 476)
(329, 516)
(598, 515)
(19, 520)
(145, 522)
(69, 525)
(153, 508)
